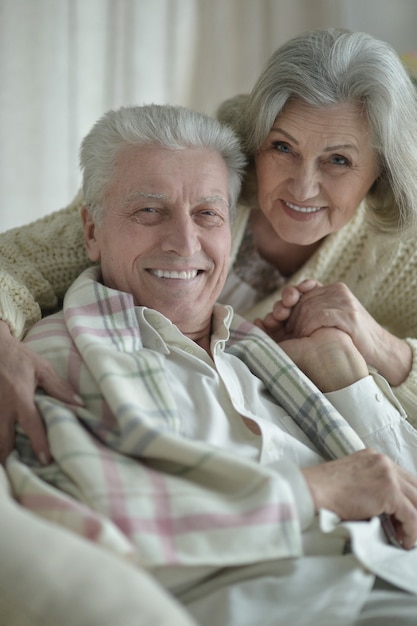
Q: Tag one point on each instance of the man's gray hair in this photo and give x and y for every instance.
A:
(173, 127)
(333, 66)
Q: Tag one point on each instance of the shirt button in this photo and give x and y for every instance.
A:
(378, 397)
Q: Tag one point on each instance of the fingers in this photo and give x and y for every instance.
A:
(308, 285)
(364, 485)
(23, 412)
(404, 512)
(395, 491)
(318, 306)
(21, 373)
(6, 436)
(55, 386)
(32, 425)
(290, 297)
(29, 418)
(283, 308)
(272, 327)
(272, 321)
(406, 526)
(259, 323)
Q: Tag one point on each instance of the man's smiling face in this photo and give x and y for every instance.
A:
(165, 235)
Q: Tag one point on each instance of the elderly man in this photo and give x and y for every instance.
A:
(201, 452)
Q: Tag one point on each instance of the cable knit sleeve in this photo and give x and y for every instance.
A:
(38, 262)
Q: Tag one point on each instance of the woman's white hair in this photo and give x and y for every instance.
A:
(173, 127)
(333, 66)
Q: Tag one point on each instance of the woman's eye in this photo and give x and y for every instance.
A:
(338, 159)
(281, 146)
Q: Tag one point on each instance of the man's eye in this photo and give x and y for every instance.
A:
(146, 215)
(209, 217)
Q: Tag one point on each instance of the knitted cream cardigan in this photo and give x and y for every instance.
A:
(38, 262)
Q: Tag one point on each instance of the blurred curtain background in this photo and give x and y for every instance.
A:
(63, 63)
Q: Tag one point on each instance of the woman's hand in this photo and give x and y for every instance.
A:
(274, 323)
(21, 372)
(309, 306)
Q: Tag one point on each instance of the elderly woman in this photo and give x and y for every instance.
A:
(330, 130)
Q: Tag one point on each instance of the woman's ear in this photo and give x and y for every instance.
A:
(90, 241)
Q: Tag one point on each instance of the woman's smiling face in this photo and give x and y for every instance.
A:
(314, 169)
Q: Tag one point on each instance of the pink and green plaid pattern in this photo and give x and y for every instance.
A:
(121, 478)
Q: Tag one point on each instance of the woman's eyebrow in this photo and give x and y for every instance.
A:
(277, 129)
(339, 146)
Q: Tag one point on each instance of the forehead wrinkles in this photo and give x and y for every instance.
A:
(343, 124)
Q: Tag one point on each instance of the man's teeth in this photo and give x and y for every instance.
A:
(183, 275)
(303, 209)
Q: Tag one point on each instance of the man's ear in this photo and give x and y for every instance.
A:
(90, 241)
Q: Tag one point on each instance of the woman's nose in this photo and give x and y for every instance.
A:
(305, 182)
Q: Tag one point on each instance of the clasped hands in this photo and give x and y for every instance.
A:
(310, 306)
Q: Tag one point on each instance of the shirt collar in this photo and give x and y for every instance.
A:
(159, 333)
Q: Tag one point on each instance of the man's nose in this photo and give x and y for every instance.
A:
(181, 236)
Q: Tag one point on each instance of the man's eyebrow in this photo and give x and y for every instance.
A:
(340, 146)
(146, 195)
(214, 198)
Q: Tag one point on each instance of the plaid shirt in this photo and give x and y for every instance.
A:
(121, 478)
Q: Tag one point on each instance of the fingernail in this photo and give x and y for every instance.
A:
(42, 458)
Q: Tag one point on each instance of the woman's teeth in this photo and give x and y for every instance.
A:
(303, 209)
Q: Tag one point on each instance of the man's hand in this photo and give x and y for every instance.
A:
(364, 485)
(328, 357)
(21, 372)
